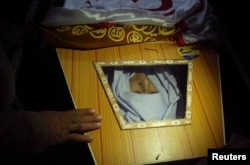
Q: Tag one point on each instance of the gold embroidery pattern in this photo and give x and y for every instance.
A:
(116, 34)
(79, 30)
(91, 36)
(150, 39)
(63, 28)
(134, 37)
(99, 33)
(145, 29)
(165, 31)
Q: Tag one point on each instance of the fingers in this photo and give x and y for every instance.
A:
(86, 115)
(79, 137)
(86, 111)
(70, 125)
(86, 121)
(89, 119)
(85, 127)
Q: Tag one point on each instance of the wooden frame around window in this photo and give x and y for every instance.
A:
(182, 70)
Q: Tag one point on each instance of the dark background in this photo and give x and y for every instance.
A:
(40, 81)
(41, 84)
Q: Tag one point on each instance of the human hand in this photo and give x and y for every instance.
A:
(65, 126)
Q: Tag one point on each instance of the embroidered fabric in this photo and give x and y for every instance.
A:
(193, 19)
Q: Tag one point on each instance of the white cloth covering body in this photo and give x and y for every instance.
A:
(146, 107)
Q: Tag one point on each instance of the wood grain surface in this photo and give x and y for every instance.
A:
(114, 146)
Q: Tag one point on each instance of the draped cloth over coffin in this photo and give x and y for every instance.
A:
(186, 21)
(126, 12)
(146, 107)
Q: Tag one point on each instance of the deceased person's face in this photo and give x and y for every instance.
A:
(140, 83)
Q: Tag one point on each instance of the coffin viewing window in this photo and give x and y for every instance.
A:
(148, 93)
